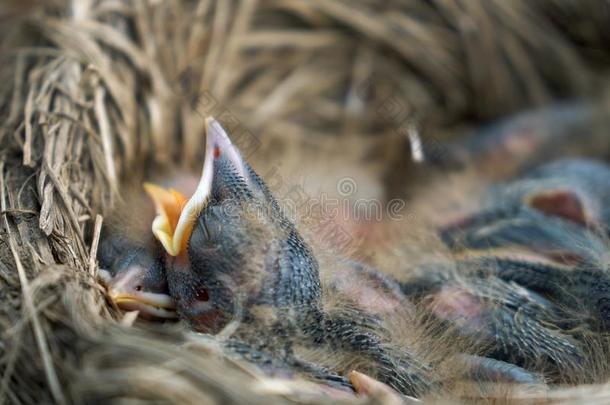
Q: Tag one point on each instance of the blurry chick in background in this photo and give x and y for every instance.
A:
(528, 277)
(521, 142)
(521, 271)
(536, 211)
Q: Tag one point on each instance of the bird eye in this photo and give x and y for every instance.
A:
(203, 295)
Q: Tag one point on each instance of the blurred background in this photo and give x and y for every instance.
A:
(324, 89)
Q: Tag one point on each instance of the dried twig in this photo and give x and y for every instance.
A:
(39, 332)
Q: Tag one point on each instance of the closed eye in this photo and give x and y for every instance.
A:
(210, 239)
(206, 232)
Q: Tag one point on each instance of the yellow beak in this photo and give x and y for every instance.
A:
(169, 205)
(176, 215)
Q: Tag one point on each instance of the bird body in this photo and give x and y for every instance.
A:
(244, 263)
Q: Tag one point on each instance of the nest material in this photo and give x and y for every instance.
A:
(95, 91)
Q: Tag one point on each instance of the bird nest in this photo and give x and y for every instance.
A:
(95, 92)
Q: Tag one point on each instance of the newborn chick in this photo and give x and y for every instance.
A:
(556, 212)
(226, 233)
(131, 259)
(551, 227)
(531, 273)
(233, 257)
(134, 275)
(501, 319)
(532, 137)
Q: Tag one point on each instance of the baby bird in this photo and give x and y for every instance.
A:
(530, 281)
(552, 226)
(131, 259)
(536, 211)
(524, 141)
(225, 232)
(501, 319)
(134, 274)
(233, 258)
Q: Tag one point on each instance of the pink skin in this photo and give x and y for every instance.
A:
(459, 306)
(370, 291)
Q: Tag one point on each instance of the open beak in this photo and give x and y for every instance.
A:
(176, 215)
(126, 291)
(169, 205)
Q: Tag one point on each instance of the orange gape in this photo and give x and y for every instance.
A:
(167, 202)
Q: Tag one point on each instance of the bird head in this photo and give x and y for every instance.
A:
(229, 246)
(134, 276)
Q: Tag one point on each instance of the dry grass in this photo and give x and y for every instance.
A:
(96, 91)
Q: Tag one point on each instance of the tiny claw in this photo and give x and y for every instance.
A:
(368, 386)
